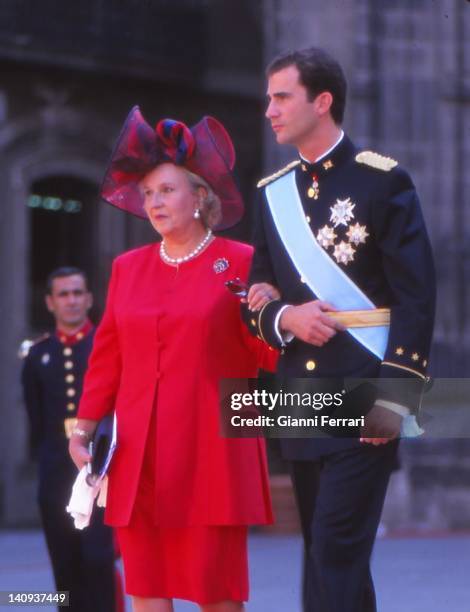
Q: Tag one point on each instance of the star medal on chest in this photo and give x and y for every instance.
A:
(314, 189)
(342, 212)
(220, 265)
(344, 252)
(357, 234)
(326, 236)
(341, 216)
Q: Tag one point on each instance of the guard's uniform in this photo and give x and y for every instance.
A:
(82, 561)
(363, 210)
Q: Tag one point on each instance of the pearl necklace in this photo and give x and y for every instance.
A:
(194, 253)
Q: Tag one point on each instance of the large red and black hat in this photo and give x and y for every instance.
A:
(205, 149)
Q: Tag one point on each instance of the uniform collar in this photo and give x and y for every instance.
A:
(339, 153)
(71, 339)
(327, 152)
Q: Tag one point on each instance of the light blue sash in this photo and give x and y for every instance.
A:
(324, 278)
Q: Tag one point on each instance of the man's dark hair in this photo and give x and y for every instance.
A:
(63, 272)
(318, 72)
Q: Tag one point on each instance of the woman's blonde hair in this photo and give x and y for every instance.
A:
(211, 208)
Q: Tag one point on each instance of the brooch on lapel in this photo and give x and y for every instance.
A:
(220, 265)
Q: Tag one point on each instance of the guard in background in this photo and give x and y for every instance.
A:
(52, 377)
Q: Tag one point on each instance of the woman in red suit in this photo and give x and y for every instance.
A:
(180, 496)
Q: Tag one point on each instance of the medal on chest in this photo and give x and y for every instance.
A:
(341, 236)
(314, 190)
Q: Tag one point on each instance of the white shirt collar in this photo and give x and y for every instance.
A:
(341, 136)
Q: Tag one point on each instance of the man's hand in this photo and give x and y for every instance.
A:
(310, 323)
(261, 293)
(381, 426)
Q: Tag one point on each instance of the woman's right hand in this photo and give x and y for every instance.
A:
(78, 450)
(82, 433)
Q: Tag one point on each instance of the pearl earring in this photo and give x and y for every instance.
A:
(197, 214)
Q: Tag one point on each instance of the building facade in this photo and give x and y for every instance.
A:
(71, 73)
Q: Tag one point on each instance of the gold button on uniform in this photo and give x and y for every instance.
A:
(310, 365)
(68, 365)
(71, 392)
(253, 322)
(67, 351)
(70, 406)
(70, 378)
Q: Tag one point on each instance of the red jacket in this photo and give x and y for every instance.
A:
(166, 338)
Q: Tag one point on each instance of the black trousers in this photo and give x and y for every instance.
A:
(340, 499)
(82, 560)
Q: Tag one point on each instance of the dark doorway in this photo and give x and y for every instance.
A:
(63, 228)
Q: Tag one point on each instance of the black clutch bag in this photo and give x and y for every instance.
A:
(102, 448)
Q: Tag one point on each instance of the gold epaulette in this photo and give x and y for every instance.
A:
(279, 173)
(375, 160)
(27, 344)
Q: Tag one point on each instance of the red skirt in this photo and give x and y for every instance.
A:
(204, 564)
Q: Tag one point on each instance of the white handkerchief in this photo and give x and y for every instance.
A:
(81, 501)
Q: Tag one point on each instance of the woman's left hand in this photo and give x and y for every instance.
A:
(261, 293)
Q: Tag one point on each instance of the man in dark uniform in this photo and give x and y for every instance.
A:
(340, 230)
(52, 377)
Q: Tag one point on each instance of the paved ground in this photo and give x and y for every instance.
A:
(411, 574)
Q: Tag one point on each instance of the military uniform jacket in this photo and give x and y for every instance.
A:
(364, 211)
(52, 379)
